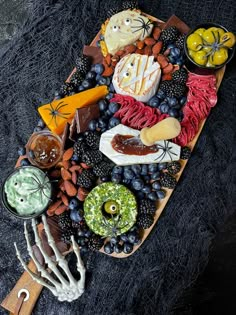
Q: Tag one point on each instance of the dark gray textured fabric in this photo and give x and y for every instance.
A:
(32, 67)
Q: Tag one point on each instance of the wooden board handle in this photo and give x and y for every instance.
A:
(168, 128)
(26, 283)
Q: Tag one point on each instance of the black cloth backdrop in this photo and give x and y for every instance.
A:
(32, 66)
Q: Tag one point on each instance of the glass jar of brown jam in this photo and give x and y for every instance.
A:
(44, 149)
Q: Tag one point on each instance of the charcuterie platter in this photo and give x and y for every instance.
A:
(113, 143)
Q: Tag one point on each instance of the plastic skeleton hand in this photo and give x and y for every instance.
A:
(64, 289)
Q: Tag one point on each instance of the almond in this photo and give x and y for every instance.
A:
(68, 154)
(64, 199)
(77, 168)
(85, 166)
(120, 52)
(149, 41)
(108, 71)
(157, 48)
(82, 193)
(163, 61)
(70, 188)
(139, 51)
(167, 77)
(130, 49)
(168, 68)
(176, 67)
(156, 32)
(56, 173)
(140, 44)
(65, 174)
(74, 177)
(66, 164)
(108, 59)
(62, 186)
(148, 50)
(54, 206)
(166, 52)
(61, 209)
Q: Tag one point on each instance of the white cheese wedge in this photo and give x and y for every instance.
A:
(167, 151)
(125, 28)
(137, 76)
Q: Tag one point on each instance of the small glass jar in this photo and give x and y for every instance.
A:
(26, 192)
(44, 149)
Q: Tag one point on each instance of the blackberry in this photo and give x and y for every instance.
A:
(147, 206)
(180, 76)
(185, 153)
(173, 167)
(102, 169)
(86, 179)
(92, 157)
(83, 64)
(144, 221)
(77, 78)
(64, 221)
(95, 242)
(67, 89)
(92, 139)
(169, 35)
(172, 88)
(66, 236)
(112, 12)
(180, 42)
(80, 148)
(75, 225)
(167, 181)
(129, 5)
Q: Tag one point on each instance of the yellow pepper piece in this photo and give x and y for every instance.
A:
(57, 113)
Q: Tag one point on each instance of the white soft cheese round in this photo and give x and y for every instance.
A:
(137, 76)
(125, 28)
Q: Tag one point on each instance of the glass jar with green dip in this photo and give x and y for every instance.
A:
(26, 192)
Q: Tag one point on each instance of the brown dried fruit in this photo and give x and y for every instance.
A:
(140, 44)
(65, 174)
(156, 32)
(68, 154)
(130, 49)
(64, 199)
(168, 68)
(60, 209)
(148, 50)
(149, 41)
(82, 193)
(157, 48)
(70, 188)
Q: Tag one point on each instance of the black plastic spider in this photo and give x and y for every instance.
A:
(113, 229)
(40, 186)
(144, 26)
(54, 112)
(166, 150)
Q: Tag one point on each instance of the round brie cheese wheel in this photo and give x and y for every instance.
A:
(137, 76)
(125, 28)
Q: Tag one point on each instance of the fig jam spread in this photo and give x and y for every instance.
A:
(135, 147)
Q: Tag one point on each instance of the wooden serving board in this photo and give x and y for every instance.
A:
(10, 302)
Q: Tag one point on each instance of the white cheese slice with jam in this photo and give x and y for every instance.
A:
(137, 76)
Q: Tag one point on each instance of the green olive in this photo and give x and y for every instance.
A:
(111, 207)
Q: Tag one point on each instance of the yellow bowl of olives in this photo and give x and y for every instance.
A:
(210, 46)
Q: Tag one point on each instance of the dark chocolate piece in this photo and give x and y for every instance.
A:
(82, 118)
(94, 53)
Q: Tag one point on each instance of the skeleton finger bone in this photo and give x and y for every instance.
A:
(65, 288)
